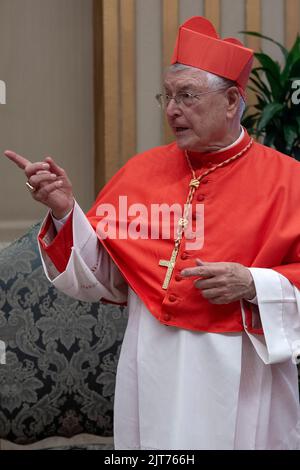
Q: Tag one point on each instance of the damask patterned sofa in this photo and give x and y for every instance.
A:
(57, 386)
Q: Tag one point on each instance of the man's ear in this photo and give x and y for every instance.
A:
(233, 100)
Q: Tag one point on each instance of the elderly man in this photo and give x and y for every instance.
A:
(208, 358)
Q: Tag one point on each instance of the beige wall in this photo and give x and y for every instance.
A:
(46, 61)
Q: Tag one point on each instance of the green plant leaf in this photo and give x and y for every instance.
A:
(295, 70)
(292, 58)
(290, 134)
(272, 71)
(298, 122)
(261, 83)
(249, 121)
(261, 89)
(268, 64)
(256, 91)
(268, 114)
(259, 76)
(269, 139)
(274, 117)
(261, 102)
(296, 153)
(254, 33)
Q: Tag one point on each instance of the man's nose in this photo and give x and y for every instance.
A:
(173, 109)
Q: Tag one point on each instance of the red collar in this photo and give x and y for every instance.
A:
(206, 159)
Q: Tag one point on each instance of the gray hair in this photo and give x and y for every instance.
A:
(213, 81)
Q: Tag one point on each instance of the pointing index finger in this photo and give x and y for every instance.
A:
(20, 161)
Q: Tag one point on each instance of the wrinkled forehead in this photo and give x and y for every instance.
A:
(185, 78)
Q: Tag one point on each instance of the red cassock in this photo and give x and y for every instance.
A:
(251, 216)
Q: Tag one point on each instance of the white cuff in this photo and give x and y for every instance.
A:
(59, 223)
(274, 294)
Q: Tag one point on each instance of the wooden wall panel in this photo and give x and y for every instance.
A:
(292, 21)
(212, 11)
(148, 74)
(114, 64)
(253, 23)
(188, 8)
(127, 104)
(170, 17)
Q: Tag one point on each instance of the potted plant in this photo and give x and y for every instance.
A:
(275, 118)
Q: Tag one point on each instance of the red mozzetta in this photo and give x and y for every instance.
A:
(251, 216)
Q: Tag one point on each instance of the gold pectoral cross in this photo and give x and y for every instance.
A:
(170, 265)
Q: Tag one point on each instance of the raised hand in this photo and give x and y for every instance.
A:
(48, 183)
(222, 283)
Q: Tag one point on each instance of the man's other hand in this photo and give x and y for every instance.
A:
(222, 283)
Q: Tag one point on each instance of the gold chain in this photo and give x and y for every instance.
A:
(183, 222)
(194, 184)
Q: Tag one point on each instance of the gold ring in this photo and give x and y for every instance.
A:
(31, 188)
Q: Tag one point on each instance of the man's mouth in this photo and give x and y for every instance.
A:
(180, 130)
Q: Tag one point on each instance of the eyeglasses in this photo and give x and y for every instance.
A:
(184, 98)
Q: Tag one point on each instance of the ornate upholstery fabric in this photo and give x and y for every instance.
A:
(61, 354)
